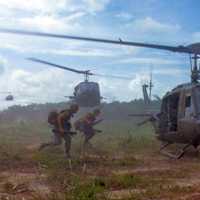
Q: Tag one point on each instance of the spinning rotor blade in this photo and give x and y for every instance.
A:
(114, 76)
(77, 71)
(59, 66)
(193, 48)
(5, 92)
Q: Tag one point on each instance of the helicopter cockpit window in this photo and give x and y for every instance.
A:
(87, 86)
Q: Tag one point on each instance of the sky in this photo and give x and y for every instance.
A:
(171, 22)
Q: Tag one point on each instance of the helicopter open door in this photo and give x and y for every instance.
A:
(196, 102)
(170, 110)
(173, 111)
(186, 106)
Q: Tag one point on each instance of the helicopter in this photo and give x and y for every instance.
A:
(86, 93)
(9, 96)
(179, 118)
(15, 97)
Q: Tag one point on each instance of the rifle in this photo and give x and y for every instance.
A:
(97, 122)
(151, 118)
(140, 115)
(65, 132)
(98, 131)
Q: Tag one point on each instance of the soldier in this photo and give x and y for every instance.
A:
(86, 125)
(61, 126)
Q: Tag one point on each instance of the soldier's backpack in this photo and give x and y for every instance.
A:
(52, 117)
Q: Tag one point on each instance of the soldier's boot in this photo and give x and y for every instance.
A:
(50, 144)
(44, 145)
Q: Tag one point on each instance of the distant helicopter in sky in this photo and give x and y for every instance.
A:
(16, 97)
(9, 96)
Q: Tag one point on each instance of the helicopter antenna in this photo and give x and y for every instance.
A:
(195, 69)
(145, 94)
(150, 84)
(87, 74)
(190, 58)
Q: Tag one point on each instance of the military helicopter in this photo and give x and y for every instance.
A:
(179, 118)
(9, 96)
(14, 96)
(86, 93)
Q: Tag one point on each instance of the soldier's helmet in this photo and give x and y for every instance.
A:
(96, 111)
(74, 108)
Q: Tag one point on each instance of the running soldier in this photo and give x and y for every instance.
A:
(86, 126)
(61, 128)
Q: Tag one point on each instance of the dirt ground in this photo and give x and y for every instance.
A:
(124, 165)
(132, 176)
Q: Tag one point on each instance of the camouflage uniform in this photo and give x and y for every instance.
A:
(86, 125)
(61, 129)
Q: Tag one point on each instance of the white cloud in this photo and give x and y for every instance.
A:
(46, 23)
(84, 52)
(45, 85)
(42, 23)
(151, 60)
(39, 22)
(60, 16)
(96, 5)
(3, 63)
(136, 84)
(195, 37)
(172, 72)
(56, 15)
(125, 16)
(49, 7)
(149, 24)
(36, 6)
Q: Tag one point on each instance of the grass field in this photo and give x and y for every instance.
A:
(124, 164)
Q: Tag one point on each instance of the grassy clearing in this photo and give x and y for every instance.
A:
(120, 148)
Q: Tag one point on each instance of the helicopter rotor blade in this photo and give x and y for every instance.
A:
(181, 49)
(5, 92)
(114, 76)
(60, 66)
(77, 71)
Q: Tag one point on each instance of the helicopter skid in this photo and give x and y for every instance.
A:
(177, 155)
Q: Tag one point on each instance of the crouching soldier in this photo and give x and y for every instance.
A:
(61, 128)
(86, 126)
